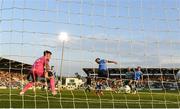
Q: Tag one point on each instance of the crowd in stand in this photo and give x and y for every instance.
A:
(16, 80)
(11, 79)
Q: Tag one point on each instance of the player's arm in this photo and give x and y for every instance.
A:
(108, 61)
(47, 69)
(46, 75)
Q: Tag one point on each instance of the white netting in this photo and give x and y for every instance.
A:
(133, 33)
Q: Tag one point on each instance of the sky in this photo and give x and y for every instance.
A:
(132, 32)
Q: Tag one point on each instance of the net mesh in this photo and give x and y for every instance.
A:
(133, 33)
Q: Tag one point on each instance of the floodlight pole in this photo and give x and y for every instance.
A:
(62, 59)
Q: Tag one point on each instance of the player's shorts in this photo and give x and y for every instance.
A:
(126, 82)
(33, 77)
(50, 73)
(138, 78)
(102, 74)
(98, 87)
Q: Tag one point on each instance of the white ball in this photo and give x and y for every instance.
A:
(127, 89)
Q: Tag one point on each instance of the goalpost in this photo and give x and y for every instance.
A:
(133, 33)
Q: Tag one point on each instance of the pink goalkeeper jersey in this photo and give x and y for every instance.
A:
(38, 66)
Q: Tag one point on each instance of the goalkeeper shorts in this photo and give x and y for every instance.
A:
(35, 78)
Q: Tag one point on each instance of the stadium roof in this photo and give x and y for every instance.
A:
(13, 66)
(146, 71)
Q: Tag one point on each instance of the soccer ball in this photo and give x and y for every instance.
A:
(127, 89)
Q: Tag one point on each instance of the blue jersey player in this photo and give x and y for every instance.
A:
(102, 73)
(103, 70)
(138, 77)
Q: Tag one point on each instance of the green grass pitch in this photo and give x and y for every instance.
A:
(80, 99)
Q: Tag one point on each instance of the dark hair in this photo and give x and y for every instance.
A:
(97, 59)
(47, 52)
(138, 67)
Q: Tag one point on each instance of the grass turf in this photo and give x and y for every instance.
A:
(80, 99)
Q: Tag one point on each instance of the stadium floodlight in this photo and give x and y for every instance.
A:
(63, 36)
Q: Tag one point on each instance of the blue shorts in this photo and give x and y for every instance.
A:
(102, 74)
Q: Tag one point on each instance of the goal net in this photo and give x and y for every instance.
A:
(132, 33)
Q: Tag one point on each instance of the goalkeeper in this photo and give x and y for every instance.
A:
(40, 69)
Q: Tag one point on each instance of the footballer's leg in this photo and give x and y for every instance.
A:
(43, 81)
(49, 75)
(31, 77)
(130, 84)
(88, 88)
(135, 86)
(97, 90)
(101, 92)
(52, 85)
(27, 86)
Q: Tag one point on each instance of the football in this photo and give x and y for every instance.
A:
(127, 89)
